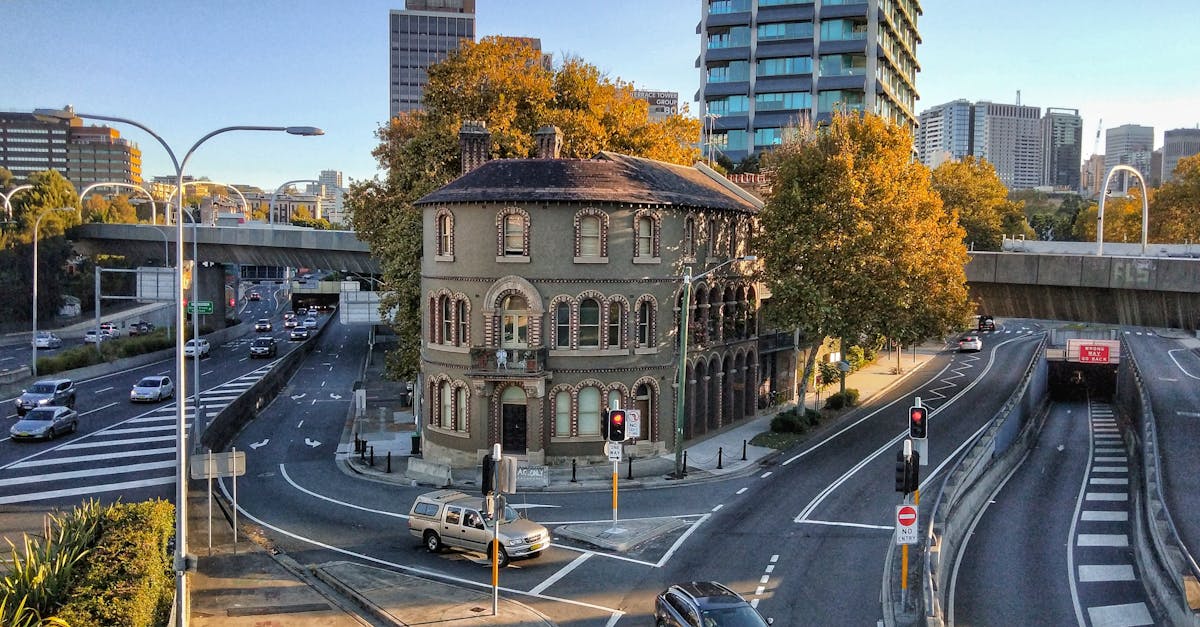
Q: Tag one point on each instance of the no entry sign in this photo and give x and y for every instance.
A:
(906, 524)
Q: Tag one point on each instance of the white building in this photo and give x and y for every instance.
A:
(1128, 144)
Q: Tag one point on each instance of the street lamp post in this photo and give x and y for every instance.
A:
(8, 198)
(1104, 194)
(681, 375)
(33, 339)
(163, 233)
(271, 211)
(180, 564)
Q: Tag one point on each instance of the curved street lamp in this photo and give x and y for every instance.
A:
(271, 211)
(238, 192)
(1145, 207)
(681, 375)
(180, 564)
(8, 198)
(33, 339)
(153, 207)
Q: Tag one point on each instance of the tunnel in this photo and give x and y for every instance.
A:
(1073, 381)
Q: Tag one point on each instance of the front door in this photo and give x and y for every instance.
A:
(513, 437)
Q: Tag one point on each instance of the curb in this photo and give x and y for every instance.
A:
(354, 596)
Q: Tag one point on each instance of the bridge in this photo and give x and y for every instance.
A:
(1028, 279)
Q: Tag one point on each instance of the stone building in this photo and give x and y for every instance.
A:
(551, 291)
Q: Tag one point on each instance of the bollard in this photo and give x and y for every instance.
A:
(573, 480)
(372, 456)
(389, 463)
(743, 450)
(685, 463)
(629, 474)
(362, 453)
(720, 451)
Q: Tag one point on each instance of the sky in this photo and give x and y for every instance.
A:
(184, 69)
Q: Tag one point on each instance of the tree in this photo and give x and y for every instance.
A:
(971, 189)
(7, 181)
(1122, 218)
(50, 191)
(854, 239)
(503, 83)
(1175, 208)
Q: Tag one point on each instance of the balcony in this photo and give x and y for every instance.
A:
(488, 361)
(775, 342)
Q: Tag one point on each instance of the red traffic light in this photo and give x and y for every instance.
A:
(918, 422)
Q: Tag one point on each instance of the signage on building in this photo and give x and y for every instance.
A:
(1086, 351)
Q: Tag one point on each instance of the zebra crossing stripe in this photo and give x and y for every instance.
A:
(85, 490)
(1127, 615)
(1107, 496)
(138, 430)
(37, 463)
(1104, 516)
(79, 445)
(91, 472)
(1102, 539)
(1106, 572)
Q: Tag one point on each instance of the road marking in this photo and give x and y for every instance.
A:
(1108, 481)
(1171, 354)
(765, 475)
(774, 558)
(283, 473)
(719, 506)
(1096, 469)
(1106, 572)
(97, 444)
(1102, 539)
(1104, 516)
(139, 430)
(562, 572)
(90, 472)
(830, 523)
(1126, 615)
(37, 463)
(741, 491)
(85, 490)
(1189, 414)
(104, 389)
(1107, 496)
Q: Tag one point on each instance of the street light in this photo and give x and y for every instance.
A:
(180, 564)
(683, 348)
(33, 340)
(271, 211)
(1104, 194)
(8, 198)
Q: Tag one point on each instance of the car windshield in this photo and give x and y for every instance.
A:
(191, 342)
(738, 616)
(148, 383)
(262, 342)
(42, 388)
(263, 320)
(40, 415)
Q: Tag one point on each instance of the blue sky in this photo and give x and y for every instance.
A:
(186, 68)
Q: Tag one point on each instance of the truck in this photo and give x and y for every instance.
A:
(451, 518)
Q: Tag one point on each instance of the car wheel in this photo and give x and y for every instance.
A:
(503, 560)
(74, 426)
(49, 434)
(433, 542)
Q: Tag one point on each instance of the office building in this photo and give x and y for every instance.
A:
(944, 133)
(82, 154)
(423, 33)
(1062, 134)
(333, 195)
(1177, 144)
(1009, 137)
(767, 64)
(1129, 144)
(1091, 176)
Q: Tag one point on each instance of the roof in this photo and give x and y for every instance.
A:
(607, 177)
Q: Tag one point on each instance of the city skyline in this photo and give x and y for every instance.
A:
(305, 64)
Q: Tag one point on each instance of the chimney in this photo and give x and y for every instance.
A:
(549, 142)
(474, 141)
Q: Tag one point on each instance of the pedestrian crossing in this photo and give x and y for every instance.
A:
(1105, 575)
(137, 453)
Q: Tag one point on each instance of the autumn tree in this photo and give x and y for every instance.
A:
(503, 83)
(50, 191)
(1122, 218)
(971, 190)
(1175, 208)
(855, 241)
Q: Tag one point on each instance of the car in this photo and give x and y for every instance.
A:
(111, 329)
(987, 323)
(300, 311)
(140, 327)
(298, 333)
(197, 348)
(291, 323)
(152, 389)
(46, 339)
(705, 604)
(94, 336)
(44, 423)
(263, 324)
(970, 343)
(450, 518)
(58, 392)
(262, 347)
(289, 315)
(310, 323)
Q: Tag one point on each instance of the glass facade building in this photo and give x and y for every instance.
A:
(422, 34)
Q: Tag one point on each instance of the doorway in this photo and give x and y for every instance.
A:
(513, 421)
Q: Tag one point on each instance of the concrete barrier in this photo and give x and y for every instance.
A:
(428, 472)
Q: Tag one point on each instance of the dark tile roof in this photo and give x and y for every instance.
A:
(607, 177)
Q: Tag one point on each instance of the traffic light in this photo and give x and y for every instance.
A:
(918, 423)
(616, 425)
(908, 472)
(487, 481)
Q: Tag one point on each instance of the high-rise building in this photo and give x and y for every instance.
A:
(82, 154)
(329, 186)
(423, 33)
(766, 64)
(1129, 144)
(1062, 136)
(944, 133)
(1177, 144)
(1091, 176)
(1009, 137)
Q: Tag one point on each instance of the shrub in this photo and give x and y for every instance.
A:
(812, 417)
(38, 578)
(787, 422)
(840, 400)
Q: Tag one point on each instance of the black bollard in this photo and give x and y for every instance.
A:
(389, 462)
(743, 450)
(573, 471)
(720, 451)
(372, 456)
(685, 463)
(629, 474)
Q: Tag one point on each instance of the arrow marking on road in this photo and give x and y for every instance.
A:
(255, 445)
(336, 397)
(312, 443)
(299, 396)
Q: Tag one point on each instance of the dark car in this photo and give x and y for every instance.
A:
(141, 327)
(262, 347)
(986, 323)
(705, 604)
(60, 392)
(255, 296)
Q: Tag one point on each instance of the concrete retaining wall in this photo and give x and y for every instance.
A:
(427, 472)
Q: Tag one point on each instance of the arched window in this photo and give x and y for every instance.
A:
(614, 399)
(616, 319)
(461, 417)
(562, 325)
(514, 235)
(589, 411)
(514, 320)
(445, 234)
(589, 236)
(589, 323)
(689, 237)
(712, 237)
(447, 320)
(444, 407)
(645, 237)
(645, 323)
(562, 414)
(464, 323)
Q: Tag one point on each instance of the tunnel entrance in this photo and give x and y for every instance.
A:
(1083, 368)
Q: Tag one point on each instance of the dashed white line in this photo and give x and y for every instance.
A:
(765, 475)
(741, 491)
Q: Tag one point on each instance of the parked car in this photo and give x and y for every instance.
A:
(986, 323)
(111, 329)
(44, 423)
(705, 604)
(310, 322)
(60, 392)
(970, 343)
(450, 518)
(95, 336)
(152, 389)
(298, 333)
(140, 327)
(255, 296)
(262, 347)
(46, 339)
(263, 324)
(197, 348)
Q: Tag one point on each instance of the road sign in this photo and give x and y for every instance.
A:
(217, 465)
(633, 423)
(205, 307)
(613, 450)
(906, 524)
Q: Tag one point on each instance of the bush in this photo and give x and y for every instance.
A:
(812, 417)
(787, 422)
(37, 579)
(840, 400)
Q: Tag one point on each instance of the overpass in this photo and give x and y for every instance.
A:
(1028, 279)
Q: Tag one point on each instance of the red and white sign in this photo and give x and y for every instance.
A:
(906, 524)
(1094, 351)
(1089, 354)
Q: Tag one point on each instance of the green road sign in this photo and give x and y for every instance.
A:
(206, 307)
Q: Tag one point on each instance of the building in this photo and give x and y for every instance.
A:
(1091, 176)
(767, 64)
(1177, 144)
(82, 154)
(1129, 144)
(333, 196)
(1009, 137)
(423, 33)
(286, 205)
(663, 104)
(550, 294)
(944, 133)
(1062, 138)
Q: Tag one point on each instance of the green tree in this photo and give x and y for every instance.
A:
(854, 239)
(7, 181)
(503, 83)
(50, 191)
(971, 190)
(1175, 208)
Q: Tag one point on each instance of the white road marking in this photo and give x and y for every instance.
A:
(718, 507)
(1171, 354)
(1107, 496)
(765, 475)
(830, 523)
(98, 443)
(562, 572)
(104, 389)
(1102, 539)
(741, 491)
(1104, 516)
(90, 472)
(37, 463)
(1127, 615)
(1108, 481)
(85, 490)
(1106, 572)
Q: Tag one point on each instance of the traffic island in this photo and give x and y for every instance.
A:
(622, 535)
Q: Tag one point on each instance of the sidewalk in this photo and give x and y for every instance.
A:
(258, 586)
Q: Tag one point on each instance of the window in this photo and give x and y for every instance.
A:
(614, 399)
(728, 72)
(784, 66)
(445, 234)
(772, 3)
(514, 319)
(460, 410)
(645, 320)
(562, 325)
(589, 236)
(828, 101)
(689, 237)
(645, 237)
(447, 321)
(768, 136)
(784, 30)
(731, 37)
(778, 101)
(729, 105)
(589, 411)
(453, 515)
(589, 323)
(445, 406)
(716, 7)
(514, 235)
(843, 65)
(615, 316)
(840, 30)
(729, 140)
(464, 320)
(562, 414)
